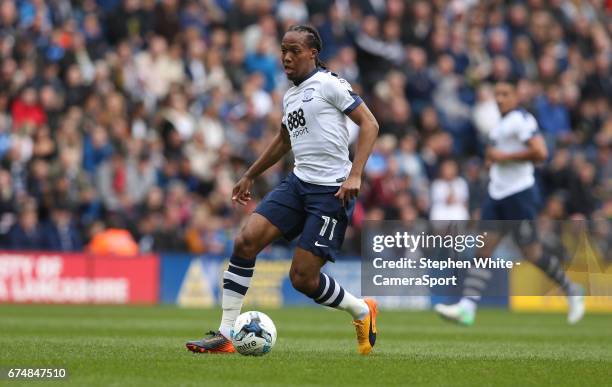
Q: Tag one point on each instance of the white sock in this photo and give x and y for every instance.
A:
(236, 282)
(469, 304)
(231, 310)
(355, 306)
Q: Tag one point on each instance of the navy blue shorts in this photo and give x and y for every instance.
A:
(312, 210)
(522, 205)
(519, 210)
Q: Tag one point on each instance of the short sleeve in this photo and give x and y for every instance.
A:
(339, 93)
(526, 127)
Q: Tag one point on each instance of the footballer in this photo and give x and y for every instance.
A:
(515, 145)
(315, 201)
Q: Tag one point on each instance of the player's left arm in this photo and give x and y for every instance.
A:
(536, 152)
(368, 131)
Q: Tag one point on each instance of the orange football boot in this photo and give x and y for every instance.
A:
(366, 329)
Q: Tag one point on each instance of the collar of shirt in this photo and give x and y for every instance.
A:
(313, 72)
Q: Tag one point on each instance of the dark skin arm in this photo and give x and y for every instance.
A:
(280, 145)
(368, 131)
(536, 151)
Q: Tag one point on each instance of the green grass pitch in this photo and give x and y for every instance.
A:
(133, 346)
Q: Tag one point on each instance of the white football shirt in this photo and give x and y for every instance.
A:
(314, 113)
(511, 135)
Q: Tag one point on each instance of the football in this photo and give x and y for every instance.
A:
(254, 334)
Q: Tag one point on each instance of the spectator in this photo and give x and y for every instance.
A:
(126, 21)
(479, 66)
(177, 115)
(449, 194)
(581, 199)
(76, 88)
(599, 83)
(200, 235)
(523, 61)
(38, 181)
(454, 112)
(27, 111)
(8, 205)
(27, 233)
(201, 158)
(166, 19)
(153, 235)
(264, 62)
(114, 240)
(374, 53)
(292, 11)
(409, 162)
(419, 85)
(551, 114)
(418, 31)
(69, 181)
(169, 230)
(61, 232)
(96, 149)
(112, 183)
(157, 69)
(43, 145)
(398, 121)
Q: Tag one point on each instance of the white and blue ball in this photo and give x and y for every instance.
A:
(253, 334)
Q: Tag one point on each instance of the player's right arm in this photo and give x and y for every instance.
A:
(535, 152)
(280, 145)
(526, 128)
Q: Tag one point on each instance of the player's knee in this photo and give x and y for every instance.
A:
(304, 281)
(246, 245)
(532, 252)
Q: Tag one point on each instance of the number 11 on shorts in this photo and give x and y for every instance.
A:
(326, 220)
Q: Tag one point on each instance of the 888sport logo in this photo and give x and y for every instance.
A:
(296, 120)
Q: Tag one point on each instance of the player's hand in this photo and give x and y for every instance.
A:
(349, 189)
(241, 193)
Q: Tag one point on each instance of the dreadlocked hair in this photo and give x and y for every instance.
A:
(313, 40)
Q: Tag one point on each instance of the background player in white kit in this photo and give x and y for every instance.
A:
(515, 145)
(315, 201)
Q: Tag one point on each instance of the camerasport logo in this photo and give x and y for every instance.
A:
(77, 278)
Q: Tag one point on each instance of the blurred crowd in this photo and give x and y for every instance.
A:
(132, 119)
